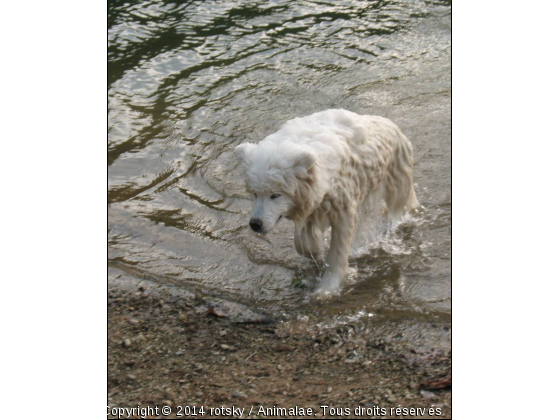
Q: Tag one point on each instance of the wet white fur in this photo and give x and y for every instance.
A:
(327, 167)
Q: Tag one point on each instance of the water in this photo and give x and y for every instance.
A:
(188, 82)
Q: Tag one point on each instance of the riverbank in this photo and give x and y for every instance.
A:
(171, 348)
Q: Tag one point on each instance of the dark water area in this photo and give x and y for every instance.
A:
(189, 81)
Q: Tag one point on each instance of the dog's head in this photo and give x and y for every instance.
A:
(274, 175)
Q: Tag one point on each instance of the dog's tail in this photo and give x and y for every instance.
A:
(412, 203)
(398, 186)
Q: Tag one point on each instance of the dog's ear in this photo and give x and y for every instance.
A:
(242, 151)
(305, 158)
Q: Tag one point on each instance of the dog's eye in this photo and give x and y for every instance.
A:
(273, 196)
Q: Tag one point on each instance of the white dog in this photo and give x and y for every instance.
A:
(320, 171)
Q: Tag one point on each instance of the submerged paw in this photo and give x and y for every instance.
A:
(327, 287)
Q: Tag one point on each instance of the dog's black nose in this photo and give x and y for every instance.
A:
(255, 224)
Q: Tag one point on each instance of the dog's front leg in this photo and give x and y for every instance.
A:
(343, 224)
(307, 241)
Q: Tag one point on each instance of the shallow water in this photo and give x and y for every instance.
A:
(188, 82)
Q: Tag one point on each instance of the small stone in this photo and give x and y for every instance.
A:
(130, 377)
(428, 394)
(238, 394)
(225, 347)
(127, 342)
(329, 389)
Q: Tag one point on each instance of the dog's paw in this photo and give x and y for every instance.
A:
(329, 285)
(320, 293)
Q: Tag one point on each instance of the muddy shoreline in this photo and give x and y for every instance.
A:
(168, 346)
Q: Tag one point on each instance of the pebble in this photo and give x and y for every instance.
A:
(238, 394)
(428, 394)
(127, 342)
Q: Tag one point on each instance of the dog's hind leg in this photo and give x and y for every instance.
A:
(395, 200)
